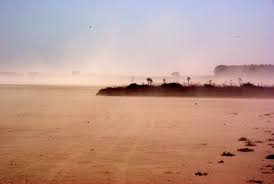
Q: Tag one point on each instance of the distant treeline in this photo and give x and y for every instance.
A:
(246, 90)
(244, 70)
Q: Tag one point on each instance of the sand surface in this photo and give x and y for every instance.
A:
(68, 135)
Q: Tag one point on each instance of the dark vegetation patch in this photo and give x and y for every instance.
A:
(243, 139)
(245, 150)
(200, 173)
(227, 154)
(250, 143)
(270, 157)
(255, 181)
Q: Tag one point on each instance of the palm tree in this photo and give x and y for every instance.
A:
(149, 81)
(188, 80)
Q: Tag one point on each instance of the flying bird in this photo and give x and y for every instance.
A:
(92, 28)
(236, 36)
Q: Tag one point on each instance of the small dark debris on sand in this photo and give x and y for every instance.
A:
(243, 139)
(168, 172)
(249, 143)
(221, 162)
(203, 144)
(196, 103)
(200, 173)
(245, 150)
(270, 166)
(270, 157)
(270, 139)
(227, 154)
(267, 114)
(258, 141)
(235, 113)
(255, 181)
(266, 172)
(107, 172)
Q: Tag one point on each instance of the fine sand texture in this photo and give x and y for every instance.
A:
(68, 135)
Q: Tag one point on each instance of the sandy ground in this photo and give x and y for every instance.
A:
(69, 135)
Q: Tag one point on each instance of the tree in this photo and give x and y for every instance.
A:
(240, 81)
(164, 80)
(149, 81)
(175, 74)
(188, 80)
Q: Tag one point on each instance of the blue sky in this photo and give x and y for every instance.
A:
(134, 36)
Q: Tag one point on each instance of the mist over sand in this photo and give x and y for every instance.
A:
(68, 135)
(89, 79)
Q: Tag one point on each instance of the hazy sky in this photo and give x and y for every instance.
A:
(134, 36)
